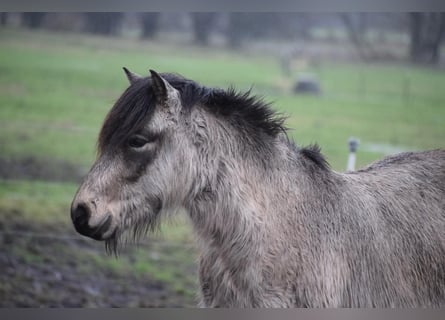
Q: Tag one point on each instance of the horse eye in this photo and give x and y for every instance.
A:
(137, 142)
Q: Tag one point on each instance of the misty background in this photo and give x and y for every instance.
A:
(403, 37)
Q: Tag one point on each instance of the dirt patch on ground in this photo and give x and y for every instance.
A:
(45, 263)
(41, 268)
(32, 168)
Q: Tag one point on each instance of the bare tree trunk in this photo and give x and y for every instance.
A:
(236, 29)
(304, 27)
(106, 23)
(3, 18)
(356, 31)
(202, 26)
(426, 31)
(33, 20)
(150, 24)
(437, 41)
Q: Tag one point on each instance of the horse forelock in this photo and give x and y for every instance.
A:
(128, 115)
(136, 106)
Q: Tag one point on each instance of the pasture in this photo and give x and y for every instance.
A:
(55, 90)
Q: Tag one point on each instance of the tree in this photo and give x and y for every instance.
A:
(426, 33)
(33, 20)
(105, 23)
(3, 18)
(235, 29)
(150, 24)
(272, 25)
(356, 28)
(203, 23)
(253, 25)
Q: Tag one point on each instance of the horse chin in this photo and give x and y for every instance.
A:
(109, 234)
(121, 233)
(112, 242)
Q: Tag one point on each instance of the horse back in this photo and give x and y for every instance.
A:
(402, 225)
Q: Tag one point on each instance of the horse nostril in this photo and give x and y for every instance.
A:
(80, 214)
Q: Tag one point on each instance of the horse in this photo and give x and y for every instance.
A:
(275, 225)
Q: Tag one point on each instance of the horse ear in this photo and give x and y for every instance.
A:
(161, 87)
(132, 77)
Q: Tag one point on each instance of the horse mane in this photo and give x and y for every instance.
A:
(313, 153)
(243, 110)
(248, 111)
(136, 105)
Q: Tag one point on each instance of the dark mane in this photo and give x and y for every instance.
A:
(246, 111)
(136, 106)
(313, 153)
(128, 115)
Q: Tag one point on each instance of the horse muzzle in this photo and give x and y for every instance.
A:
(81, 217)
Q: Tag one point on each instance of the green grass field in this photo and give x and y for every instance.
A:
(55, 90)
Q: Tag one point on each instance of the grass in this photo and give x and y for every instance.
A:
(48, 203)
(40, 210)
(55, 90)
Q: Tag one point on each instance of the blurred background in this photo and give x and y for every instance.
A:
(378, 77)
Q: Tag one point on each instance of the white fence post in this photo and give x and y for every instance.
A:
(353, 145)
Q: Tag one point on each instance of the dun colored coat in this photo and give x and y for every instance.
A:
(276, 226)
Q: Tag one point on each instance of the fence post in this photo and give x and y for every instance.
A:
(353, 146)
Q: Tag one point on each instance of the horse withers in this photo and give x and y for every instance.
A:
(276, 226)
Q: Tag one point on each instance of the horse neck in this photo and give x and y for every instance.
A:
(234, 199)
